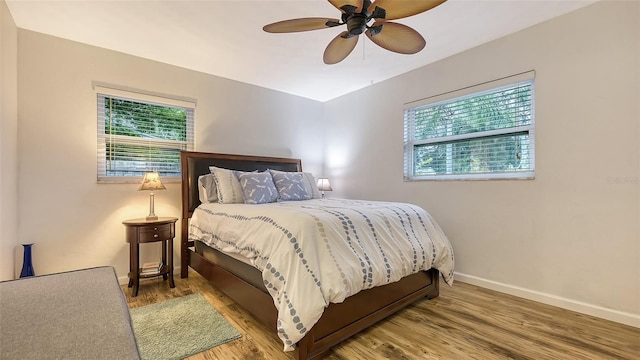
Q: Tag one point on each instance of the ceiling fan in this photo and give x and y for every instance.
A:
(357, 14)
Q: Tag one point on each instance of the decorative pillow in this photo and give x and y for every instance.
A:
(227, 186)
(257, 187)
(290, 185)
(312, 186)
(207, 191)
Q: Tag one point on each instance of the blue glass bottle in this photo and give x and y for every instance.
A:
(27, 266)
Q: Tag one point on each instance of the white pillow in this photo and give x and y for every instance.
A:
(227, 186)
(312, 186)
(207, 191)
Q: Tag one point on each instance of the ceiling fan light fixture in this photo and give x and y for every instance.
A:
(356, 14)
(357, 24)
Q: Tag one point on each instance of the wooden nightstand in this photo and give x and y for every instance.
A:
(141, 231)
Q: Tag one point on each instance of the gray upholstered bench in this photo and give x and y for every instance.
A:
(73, 315)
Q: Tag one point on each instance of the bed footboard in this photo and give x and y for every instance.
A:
(360, 311)
(254, 300)
(339, 321)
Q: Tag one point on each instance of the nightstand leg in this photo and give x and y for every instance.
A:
(134, 275)
(164, 257)
(130, 275)
(170, 264)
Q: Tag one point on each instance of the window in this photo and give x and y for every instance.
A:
(139, 132)
(482, 132)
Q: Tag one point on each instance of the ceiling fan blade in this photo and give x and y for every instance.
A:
(302, 24)
(357, 4)
(398, 9)
(397, 38)
(339, 48)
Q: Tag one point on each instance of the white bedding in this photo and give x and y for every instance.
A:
(315, 252)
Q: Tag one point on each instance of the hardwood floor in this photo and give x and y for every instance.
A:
(464, 322)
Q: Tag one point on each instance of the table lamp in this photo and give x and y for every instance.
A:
(323, 185)
(151, 181)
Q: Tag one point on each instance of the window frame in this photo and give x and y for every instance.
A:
(109, 91)
(410, 143)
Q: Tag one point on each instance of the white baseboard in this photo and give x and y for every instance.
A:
(561, 302)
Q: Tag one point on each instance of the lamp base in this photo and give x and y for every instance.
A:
(152, 214)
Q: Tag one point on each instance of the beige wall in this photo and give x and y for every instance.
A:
(75, 222)
(8, 142)
(571, 237)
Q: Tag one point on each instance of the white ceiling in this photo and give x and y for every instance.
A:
(225, 38)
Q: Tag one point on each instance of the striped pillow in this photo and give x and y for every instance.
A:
(227, 186)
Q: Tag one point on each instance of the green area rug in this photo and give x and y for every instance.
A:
(178, 328)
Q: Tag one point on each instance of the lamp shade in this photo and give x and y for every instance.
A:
(151, 181)
(324, 185)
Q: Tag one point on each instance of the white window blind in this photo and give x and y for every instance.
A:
(140, 132)
(481, 132)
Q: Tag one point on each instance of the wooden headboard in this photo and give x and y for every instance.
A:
(195, 164)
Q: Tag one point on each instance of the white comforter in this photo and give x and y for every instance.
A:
(315, 252)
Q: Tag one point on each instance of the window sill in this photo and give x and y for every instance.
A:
(529, 175)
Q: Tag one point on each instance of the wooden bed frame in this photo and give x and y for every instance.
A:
(339, 321)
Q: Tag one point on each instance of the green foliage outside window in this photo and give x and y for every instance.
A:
(481, 133)
(138, 119)
(139, 136)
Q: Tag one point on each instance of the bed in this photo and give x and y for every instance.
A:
(253, 290)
